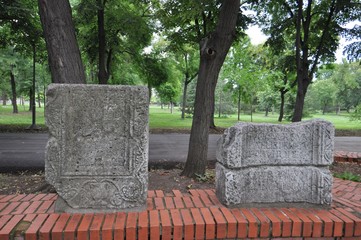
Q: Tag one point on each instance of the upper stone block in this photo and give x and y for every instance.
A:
(308, 143)
(97, 153)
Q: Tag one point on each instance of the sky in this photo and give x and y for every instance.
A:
(257, 37)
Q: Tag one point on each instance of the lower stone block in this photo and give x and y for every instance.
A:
(274, 185)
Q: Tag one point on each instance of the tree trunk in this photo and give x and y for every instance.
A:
(213, 50)
(102, 74)
(184, 104)
(13, 91)
(212, 125)
(266, 113)
(302, 86)
(30, 99)
(297, 115)
(282, 106)
(63, 52)
(149, 91)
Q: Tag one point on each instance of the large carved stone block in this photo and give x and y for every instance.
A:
(271, 163)
(273, 185)
(97, 152)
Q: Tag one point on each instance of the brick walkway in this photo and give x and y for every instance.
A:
(194, 215)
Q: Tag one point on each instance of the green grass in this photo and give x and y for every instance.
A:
(162, 118)
(23, 118)
(348, 176)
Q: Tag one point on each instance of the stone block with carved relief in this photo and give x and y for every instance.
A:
(270, 164)
(97, 152)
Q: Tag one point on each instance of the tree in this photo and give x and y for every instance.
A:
(213, 51)
(244, 72)
(188, 67)
(314, 26)
(282, 77)
(167, 93)
(63, 52)
(322, 94)
(188, 22)
(108, 28)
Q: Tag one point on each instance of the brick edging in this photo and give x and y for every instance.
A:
(194, 215)
(350, 157)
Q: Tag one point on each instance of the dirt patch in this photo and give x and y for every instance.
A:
(159, 179)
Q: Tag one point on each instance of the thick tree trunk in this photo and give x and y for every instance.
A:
(302, 86)
(213, 51)
(212, 125)
(102, 74)
(13, 91)
(63, 52)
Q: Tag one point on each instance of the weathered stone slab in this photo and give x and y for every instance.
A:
(275, 164)
(97, 153)
(305, 143)
(272, 185)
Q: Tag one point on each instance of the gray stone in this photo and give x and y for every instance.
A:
(271, 185)
(275, 164)
(97, 152)
(305, 143)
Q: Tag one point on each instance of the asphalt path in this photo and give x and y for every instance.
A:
(22, 151)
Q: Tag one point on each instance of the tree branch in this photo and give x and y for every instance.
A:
(324, 33)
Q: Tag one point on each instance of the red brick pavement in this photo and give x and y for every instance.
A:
(194, 215)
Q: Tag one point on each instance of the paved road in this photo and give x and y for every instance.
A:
(20, 151)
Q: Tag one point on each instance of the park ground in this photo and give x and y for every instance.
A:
(165, 179)
(162, 121)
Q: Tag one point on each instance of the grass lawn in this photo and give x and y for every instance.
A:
(161, 118)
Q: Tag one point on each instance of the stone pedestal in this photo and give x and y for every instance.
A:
(268, 164)
(97, 152)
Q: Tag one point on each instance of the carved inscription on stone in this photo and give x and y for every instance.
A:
(97, 153)
(283, 184)
(268, 163)
(305, 143)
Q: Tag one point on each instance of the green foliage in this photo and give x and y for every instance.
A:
(356, 115)
(348, 176)
(322, 95)
(128, 30)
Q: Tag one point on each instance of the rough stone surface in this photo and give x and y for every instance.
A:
(270, 164)
(97, 152)
(271, 184)
(305, 143)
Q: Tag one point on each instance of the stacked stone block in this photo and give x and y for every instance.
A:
(270, 164)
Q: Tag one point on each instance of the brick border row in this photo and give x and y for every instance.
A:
(176, 215)
(350, 157)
